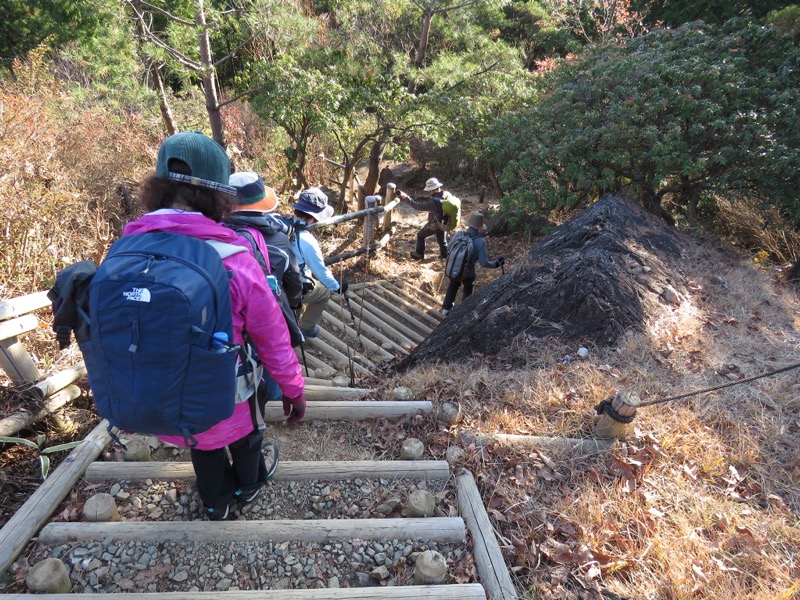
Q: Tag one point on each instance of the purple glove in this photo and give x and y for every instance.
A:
(294, 409)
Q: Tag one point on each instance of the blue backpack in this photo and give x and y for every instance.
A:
(159, 317)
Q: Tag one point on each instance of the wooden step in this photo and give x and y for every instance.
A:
(426, 470)
(469, 591)
(432, 529)
(355, 410)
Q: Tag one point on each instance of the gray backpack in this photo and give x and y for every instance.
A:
(460, 253)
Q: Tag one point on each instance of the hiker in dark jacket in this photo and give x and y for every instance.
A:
(311, 207)
(270, 245)
(256, 202)
(432, 203)
(474, 227)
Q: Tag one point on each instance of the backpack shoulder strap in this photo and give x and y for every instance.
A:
(225, 249)
(262, 261)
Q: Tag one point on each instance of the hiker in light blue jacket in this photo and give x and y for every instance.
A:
(480, 255)
(318, 280)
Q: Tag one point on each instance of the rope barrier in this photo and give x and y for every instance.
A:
(714, 388)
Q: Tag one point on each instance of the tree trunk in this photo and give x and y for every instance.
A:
(422, 44)
(493, 177)
(375, 157)
(691, 206)
(299, 173)
(209, 77)
(163, 102)
(424, 35)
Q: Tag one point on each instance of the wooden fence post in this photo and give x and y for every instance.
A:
(616, 414)
(386, 226)
(369, 220)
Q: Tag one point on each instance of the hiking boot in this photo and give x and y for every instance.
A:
(246, 498)
(416, 256)
(217, 515)
(271, 457)
(311, 333)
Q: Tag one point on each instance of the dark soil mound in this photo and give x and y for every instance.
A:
(591, 280)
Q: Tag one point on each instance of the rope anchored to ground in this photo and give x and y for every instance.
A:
(621, 408)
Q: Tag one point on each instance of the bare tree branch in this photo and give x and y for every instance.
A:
(240, 96)
(153, 38)
(455, 7)
(233, 52)
(163, 12)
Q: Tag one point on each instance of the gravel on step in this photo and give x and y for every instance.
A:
(116, 566)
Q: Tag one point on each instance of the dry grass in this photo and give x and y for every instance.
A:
(62, 167)
(758, 231)
(703, 498)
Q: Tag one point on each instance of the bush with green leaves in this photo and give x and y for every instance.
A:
(676, 12)
(786, 21)
(672, 114)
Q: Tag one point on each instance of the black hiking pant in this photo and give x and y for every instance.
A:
(452, 290)
(426, 232)
(218, 478)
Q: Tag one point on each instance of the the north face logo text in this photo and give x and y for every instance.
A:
(137, 295)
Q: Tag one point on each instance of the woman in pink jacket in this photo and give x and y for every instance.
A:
(189, 195)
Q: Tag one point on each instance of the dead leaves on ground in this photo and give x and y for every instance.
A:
(560, 557)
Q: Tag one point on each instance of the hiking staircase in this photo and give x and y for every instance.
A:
(383, 322)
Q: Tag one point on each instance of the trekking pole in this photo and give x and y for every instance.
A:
(302, 345)
(303, 354)
(349, 357)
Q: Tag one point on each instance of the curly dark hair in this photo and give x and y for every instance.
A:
(158, 193)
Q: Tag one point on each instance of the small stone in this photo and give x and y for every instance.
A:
(333, 582)
(412, 449)
(223, 585)
(362, 579)
(430, 568)
(388, 507)
(380, 573)
(583, 352)
(402, 394)
(453, 455)
(341, 381)
(671, 296)
(180, 575)
(100, 508)
(449, 413)
(49, 576)
(421, 503)
(138, 450)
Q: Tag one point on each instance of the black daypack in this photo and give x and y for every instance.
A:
(70, 298)
(275, 283)
(460, 253)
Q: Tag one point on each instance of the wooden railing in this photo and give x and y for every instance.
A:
(377, 219)
(16, 319)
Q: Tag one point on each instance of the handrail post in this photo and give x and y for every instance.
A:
(369, 220)
(386, 225)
